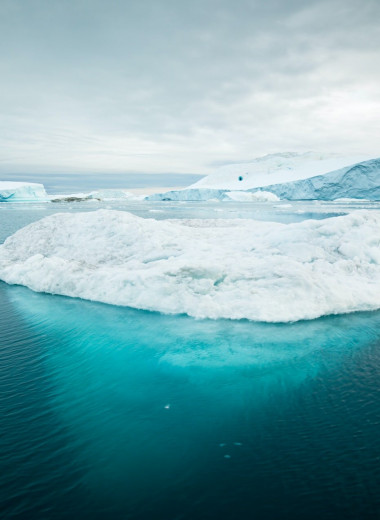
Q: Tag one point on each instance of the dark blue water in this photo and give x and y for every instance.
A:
(110, 412)
(115, 413)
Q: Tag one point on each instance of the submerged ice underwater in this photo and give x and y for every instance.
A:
(113, 411)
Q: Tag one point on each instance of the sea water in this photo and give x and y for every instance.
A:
(109, 412)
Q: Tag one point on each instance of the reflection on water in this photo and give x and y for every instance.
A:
(114, 411)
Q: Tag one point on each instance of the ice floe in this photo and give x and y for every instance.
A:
(263, 271)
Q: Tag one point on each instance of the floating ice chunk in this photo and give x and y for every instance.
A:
(22, 192)
(262, 271)
(106, 194)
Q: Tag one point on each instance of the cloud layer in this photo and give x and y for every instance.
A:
(162, 85)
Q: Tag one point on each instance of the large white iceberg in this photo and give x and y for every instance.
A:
(22, 192)
(263, 271)
(360, 181)
(274, 169)
(289, 176)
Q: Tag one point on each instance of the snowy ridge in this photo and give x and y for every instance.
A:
(22, 192)
(261, 271)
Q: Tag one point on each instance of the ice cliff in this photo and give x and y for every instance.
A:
(22, 192)
(263, 271)
(360, 181)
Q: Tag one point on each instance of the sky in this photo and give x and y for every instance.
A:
(171, 86)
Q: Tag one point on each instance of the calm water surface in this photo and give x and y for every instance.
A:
(109, 412)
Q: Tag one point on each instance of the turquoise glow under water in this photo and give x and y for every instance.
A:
(110, 412)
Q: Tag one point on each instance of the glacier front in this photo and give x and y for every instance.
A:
(263, 271)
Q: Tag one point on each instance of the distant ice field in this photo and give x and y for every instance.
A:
(283, 266)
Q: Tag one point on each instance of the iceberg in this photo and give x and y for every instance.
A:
(106, 195)
(288, 176)
(200, 194)
(22, 192)
(274, 169)
(236, 268)
(189, 194)
(360, 181)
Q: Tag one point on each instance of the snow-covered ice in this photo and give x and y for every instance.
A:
(22, 192)
(195, 194)
(263, 271)
(274, 169)
(106, 195)
(360, 181)
(290, 176)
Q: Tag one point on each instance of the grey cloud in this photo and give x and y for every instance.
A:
(175, 86)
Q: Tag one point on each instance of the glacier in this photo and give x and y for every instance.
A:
(215, 268)
(22, 192)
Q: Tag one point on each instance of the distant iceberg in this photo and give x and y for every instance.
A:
(201, 194)
(275, 169)
(288, 176)
(105, 194)
(262, 271)
(360, 181)
(22, 192)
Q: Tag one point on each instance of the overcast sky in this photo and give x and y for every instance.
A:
(182, 86)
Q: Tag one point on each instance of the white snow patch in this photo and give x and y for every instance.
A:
(264, 271)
